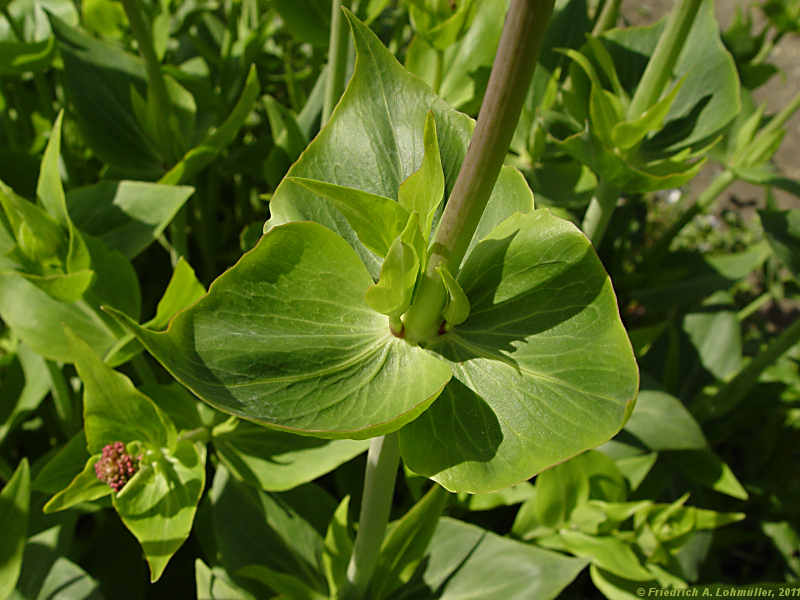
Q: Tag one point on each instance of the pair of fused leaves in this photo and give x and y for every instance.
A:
(665, 145)
(540, 370)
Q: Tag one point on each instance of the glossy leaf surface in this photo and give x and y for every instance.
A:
(286, 339)
(543, 368)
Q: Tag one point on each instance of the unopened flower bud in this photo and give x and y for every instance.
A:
(116, 466)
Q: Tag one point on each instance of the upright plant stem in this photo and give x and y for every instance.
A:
(599, 212)
(155, 79)
(337, 60)
(659, 69)
(508, 85)
(383, 459)
(607, 17)
(733, 392)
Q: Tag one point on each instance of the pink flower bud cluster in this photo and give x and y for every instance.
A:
(116, 466)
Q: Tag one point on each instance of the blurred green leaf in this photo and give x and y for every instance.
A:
(14, 510)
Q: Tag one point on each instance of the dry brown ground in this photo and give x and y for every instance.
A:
(776, 94)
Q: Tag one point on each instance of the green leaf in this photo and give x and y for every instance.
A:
(158, 504)
(182, 291)
(113, 409)
(304, 286)
(704, 64)
(627, 134)
(49, 188)
(25, 384)
(615, 587)
(307, 20)
(38, 319)
(538, 348)
(126, 215)
(661, 422)
(607, 552)
(288, 586)
(214, 584)
(60, 468)
(706, 468)
(17, 58)
(465, 561)
(276, 460)
(456, 310)
(461, 76)
(377, 130)
(252, 527)
(392, 294)
(198, 158)
(37, 233)
(405, 544)
(47, 574)
(423, 191)
(337, 551)
(104, 18)
(14, 509)
(716, 334)
(377, 221)
(505, 497)
(84, 487)
(98, 77)
(782, 228)
(636, 468)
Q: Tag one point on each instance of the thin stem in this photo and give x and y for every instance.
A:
(733, 392)
(658, 72)
(779, 120)
(753, 306)
(599, 212)
(511, 75)
(383, 459)
(337, 60)
(607, 17)
(155, 78)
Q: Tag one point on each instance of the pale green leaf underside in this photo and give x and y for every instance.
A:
(286, 339)
(543, 368)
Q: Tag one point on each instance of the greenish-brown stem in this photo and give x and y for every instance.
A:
(511, 75)
(658, 72)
